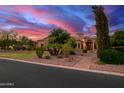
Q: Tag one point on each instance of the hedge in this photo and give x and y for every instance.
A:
(119, 48)
(112, 56)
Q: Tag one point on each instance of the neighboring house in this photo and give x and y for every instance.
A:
(42, 42)
(83, 42)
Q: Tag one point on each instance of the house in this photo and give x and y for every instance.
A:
(42, 42)
(83, 42)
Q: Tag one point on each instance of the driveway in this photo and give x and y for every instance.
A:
(25, 75)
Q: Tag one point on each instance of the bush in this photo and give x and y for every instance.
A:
(59, 56)
(23, 48)
(100, 63)
(17, 47)
(111, 56)
(39, 52)
(121, 49)
(68, 50)
(72, 42)
(29, 48)
(84, 50)
(72, 52)
(117, 42)
(46, 55)
(54, 49)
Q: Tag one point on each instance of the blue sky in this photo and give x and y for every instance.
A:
(37, 21)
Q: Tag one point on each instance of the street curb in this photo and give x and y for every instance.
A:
(66, 67)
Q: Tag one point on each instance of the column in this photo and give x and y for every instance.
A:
(84, 45)
(77, 44)
(93, 48)
(80, 45)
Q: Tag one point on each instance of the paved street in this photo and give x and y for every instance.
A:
(22, 75)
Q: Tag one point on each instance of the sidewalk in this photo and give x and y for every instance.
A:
(87, 60)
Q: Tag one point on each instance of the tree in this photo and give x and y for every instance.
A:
(119, 35)
(56, 39)
(58, 36)
(22, 43)
(72, 42)
(6, 40)
(32, 44)
(67, 49)
(14, 41)
(10, 40)
(103, 40)
(118, 38)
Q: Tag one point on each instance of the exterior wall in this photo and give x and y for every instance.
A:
(42, 42)
(88, 44)
(82, 42)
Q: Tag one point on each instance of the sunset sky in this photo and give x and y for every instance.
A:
(36, 22)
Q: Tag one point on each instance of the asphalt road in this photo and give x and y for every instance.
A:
(25, 75)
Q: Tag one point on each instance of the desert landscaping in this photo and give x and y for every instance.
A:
(100, 52)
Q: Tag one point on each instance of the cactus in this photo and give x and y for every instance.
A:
(103, 40)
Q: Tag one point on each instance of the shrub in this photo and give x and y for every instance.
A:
(111, 56)
(72, 52)
(68, 50)
(54, 49)
(117, 42)
(100, 63)
(29, 48)
(23, 48)
(84, 50)
(121, 49)
(72, 42)
(59, 56)
(39, 52)
(46, 55)
(17, 47)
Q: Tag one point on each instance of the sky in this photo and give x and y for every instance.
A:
(36, 22)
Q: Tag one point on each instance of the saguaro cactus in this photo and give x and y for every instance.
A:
(103, 40)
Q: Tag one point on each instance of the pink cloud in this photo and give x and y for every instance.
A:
(92, 29)
(27, 9)
(62, 24)
(34, 35)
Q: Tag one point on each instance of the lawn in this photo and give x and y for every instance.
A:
(19, 55)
